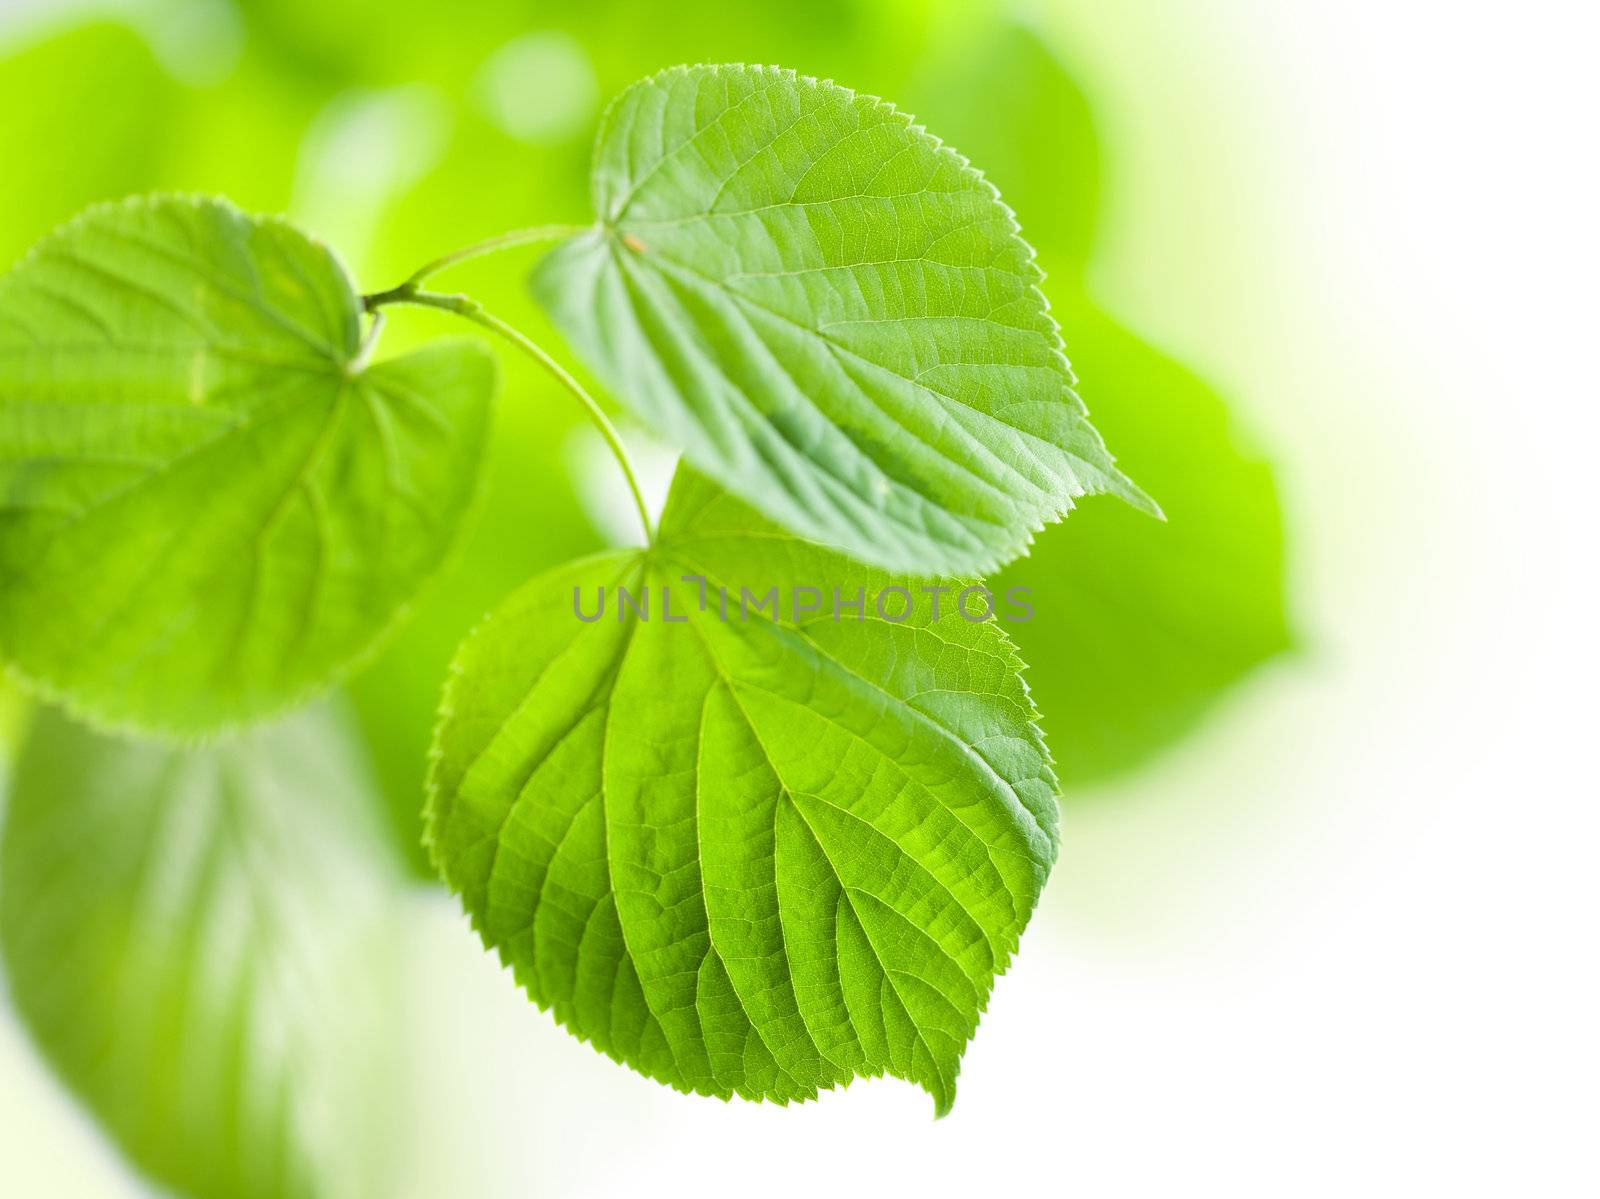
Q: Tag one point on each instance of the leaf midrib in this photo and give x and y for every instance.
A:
(655, 255)
(845, 889)
(919, 717)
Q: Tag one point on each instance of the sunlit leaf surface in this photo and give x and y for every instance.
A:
(209, 502)
(832, 314)
(752, 856)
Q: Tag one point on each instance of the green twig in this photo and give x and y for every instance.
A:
(517, 237)
(468, 308)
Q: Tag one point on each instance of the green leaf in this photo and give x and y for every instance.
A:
(832, 314)
(209, 504)
(195, 942)
(755, 856)
(1140, 627)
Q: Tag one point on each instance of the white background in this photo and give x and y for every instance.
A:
(1345, 939)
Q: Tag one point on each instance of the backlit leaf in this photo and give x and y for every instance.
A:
(209, 503)
(752, 856)
(832, 314)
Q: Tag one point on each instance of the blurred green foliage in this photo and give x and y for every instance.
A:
(1139, 626)
(402, 129)
(383, 127)
(115, 149)
(200, 944)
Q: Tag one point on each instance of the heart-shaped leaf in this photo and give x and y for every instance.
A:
(832, 314)
(210, 503)
(756, 853)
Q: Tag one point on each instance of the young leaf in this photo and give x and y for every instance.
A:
(832, 314)
(209, 502)
(194, 943)
(746, 856)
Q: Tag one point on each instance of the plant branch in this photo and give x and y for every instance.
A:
(465, 306)
(506, 241)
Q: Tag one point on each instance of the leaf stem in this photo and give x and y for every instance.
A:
(505, 241)
(369, 343)
(465, 306)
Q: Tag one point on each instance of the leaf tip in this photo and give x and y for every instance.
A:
(1136, 497)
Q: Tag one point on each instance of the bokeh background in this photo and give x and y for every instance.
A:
(1324, 918)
